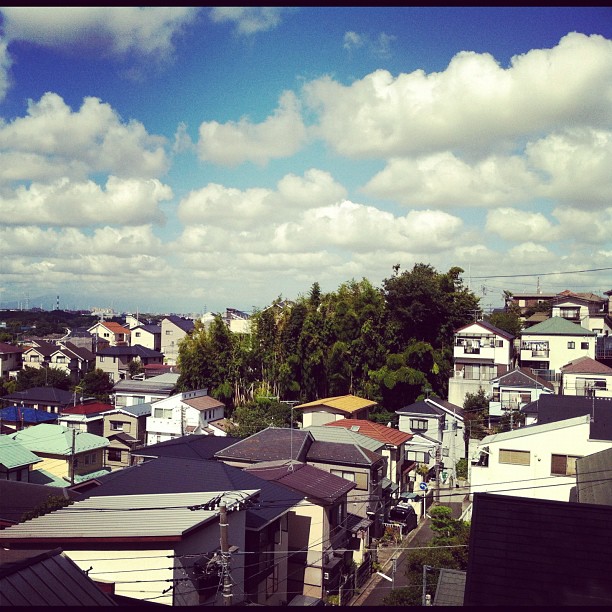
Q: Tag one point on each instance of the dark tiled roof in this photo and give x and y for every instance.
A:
(307, 480)
(534, 552)
(129, 351)
(553, 408)
(9, 348)
(185, 324)
(80, 351)
(188, 447)
(421, 407)
(271, 444)
(586, 365)
(175, 475)
(523, 377)
(450, 589)
(49, 395)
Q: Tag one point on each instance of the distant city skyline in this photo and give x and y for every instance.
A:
(185, 159)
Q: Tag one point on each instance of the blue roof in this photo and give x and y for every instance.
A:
(17, 414)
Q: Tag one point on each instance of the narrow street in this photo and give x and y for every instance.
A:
(377, 588)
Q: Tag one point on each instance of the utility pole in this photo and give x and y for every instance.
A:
(424, 599)
(72, 457)
(225, 557)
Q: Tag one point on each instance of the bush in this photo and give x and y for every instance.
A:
(462, 469)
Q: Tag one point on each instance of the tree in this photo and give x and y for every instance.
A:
(448, 549)
(97, 384)
(42, 377)
(508, 321)
(135, 367)
(257, 415)
(476, 415)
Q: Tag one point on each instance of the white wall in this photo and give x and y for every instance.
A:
(534, 480)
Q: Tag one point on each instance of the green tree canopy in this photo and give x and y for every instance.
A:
(97, 384)
(42, 377)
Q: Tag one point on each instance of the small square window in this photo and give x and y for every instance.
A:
(584, 346)
(571, 345)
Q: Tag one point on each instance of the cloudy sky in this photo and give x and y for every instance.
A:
(193, 159)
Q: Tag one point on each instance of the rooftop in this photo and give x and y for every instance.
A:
(57, 440)
(557, 326)
(387, 435)
(343, 403)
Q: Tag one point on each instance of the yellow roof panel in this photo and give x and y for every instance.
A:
(344, 403)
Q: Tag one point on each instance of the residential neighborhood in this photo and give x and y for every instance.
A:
(269, 500)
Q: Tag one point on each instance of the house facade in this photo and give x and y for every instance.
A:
(173, 330)
(538, 461)
(183, 413)
(548, 346)
(319, 535)
(394, 449)
(125, 429)
(481, 353)
(16, 461)
(48, 399)
(110, 333)
(115, 360)
(439, 424)
(85, 417)
(328, 409)
(129, 392)
(515, 389)
(585, 309)
(10, 360)
(156, 540)
(586, 377)
(66, 453)
(148, 336)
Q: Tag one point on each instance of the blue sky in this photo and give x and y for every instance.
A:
(192, 159)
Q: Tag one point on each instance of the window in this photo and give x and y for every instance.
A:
(418, 424)
(162, 413)
(416, 456)
(515, 457)
(346, 475)
(571, 345)
(101, 358)
(60, 359)
(137, 334)
(168, 332)
(499, 343)
(34, 358)
(116, 426)
(584, 346)
(114, 454)
(563, 465)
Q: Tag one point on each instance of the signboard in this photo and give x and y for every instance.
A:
(423, 486)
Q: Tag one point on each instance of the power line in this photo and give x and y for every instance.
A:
(537, 274)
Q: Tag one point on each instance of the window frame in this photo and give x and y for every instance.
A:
(569, 465)
(513, 457)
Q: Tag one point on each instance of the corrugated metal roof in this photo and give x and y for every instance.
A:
(322, 433)
(14, 455)
(345, 403)
(57, 440)
(123, 516)
(46, 578)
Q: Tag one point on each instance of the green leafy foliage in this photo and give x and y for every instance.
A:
(96, 384)
(53, 502)
(42, 377)
(257, 415)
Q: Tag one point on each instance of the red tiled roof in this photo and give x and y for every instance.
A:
(586, 365)
(379, 432)
(92, 408)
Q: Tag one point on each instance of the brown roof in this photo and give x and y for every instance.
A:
(307, 479)
(586, 365)
(116, 328)
(204, 402)
(379, 432)
(343, 403)
(9, 348)
(92, 408)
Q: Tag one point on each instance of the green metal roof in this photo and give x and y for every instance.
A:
(14, 455)
(57, 439)
(557, 326)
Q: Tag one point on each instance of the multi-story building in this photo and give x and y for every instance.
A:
(548, 346)
(481, 353)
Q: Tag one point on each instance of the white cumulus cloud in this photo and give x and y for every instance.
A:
(248, 19)
(280, 135)
(53, 141)
(473, 104)
(148, 31)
